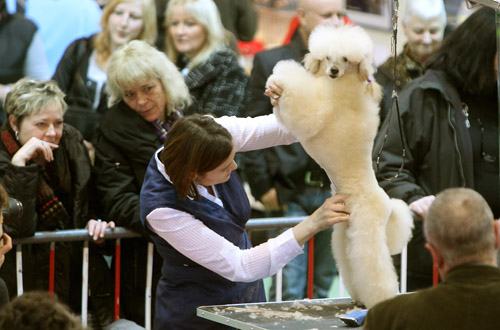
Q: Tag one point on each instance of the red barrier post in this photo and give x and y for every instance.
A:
(117, 279)
(310, 269)
(52, 266)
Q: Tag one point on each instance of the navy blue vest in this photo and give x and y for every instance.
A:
(186, 285)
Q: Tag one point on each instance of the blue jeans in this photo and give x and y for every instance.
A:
(295, 272)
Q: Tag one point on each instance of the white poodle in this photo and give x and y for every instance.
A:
(332, 107)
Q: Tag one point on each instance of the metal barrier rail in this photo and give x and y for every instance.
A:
(118, 233)
(75, 235)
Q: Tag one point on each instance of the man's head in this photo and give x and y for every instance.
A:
(423, 25)
(459, 229)
(314, 12)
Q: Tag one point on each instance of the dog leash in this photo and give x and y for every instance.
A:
(395, 99)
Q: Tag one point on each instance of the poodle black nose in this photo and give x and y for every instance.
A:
(334, 72)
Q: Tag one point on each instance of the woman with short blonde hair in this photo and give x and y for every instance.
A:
(146, 96)
(45, 165)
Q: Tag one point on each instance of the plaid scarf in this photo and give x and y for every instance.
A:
(51, 212)
(161, 128)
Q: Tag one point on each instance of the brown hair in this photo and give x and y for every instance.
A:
(195, 145)
(38, 310)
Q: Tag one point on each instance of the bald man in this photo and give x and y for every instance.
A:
(285, 179)
(463, 241)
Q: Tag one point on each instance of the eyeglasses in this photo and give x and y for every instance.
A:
(487, 157)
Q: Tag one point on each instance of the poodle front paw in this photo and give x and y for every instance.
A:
(283, 71)
(287, 67)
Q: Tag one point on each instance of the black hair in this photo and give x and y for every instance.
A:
(467, 54)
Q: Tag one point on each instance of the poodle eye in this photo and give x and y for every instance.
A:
(328, 58)
(344, 59)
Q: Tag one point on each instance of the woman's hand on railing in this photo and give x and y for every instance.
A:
(97, 229)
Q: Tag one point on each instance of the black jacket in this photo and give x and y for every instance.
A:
(239, 16)
(438, 145)
(72, 77)
(283, 167)
(438, 152)
(16, 34)
(124, 146)
(21, 182)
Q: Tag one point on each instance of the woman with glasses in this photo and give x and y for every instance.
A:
(449, 119)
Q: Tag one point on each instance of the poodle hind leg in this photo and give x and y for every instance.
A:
(373, 275)
(339, 246)
(399, 227)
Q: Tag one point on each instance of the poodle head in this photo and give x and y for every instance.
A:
(335, 51)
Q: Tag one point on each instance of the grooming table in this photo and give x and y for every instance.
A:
(313, 314)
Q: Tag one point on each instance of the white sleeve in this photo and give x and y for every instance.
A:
(199, 243)
(256, 133)
(35, 63)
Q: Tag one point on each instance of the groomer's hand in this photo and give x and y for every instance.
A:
(331, 212)
(421, 206)
(274, 92)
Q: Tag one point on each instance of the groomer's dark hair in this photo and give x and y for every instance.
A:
(467, 54)
(195, 145)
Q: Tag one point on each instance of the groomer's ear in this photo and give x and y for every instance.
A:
(311, 64)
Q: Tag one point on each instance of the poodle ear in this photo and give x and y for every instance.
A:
(365, 68)
(311, 64)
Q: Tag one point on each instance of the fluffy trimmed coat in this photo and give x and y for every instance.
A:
(332, 106)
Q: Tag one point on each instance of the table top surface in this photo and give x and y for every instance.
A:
(308, 314)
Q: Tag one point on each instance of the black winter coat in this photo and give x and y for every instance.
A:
(438, 153)
(72, 77)
(124, 144)
(21, 182)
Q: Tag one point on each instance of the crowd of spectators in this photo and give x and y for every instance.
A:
(89, 91)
